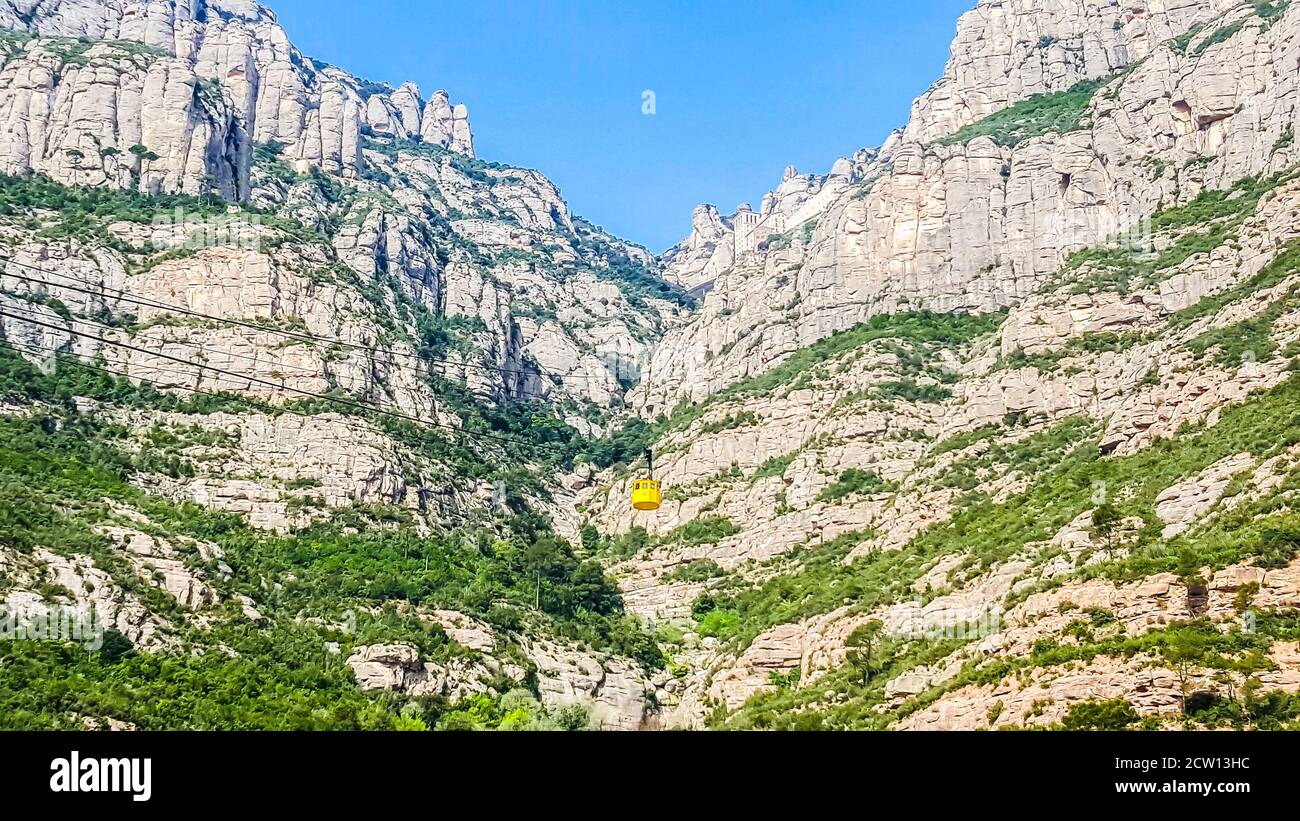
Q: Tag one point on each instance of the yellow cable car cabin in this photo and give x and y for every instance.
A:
(646, 494)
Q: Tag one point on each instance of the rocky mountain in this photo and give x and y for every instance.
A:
(952, 214)
(277, 310)
(993, 425)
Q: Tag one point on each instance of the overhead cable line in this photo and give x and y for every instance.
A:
(355, 405)
(220, 394)
(302, 336)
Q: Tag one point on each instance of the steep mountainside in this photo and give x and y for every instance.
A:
(962, 213)
(287, 373)
(997, 425)
(334, 423)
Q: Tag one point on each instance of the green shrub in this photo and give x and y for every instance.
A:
(1058, 112)
(1114, 714)
(909, 390)
(1222, 34)
(855, 482)
(718, 623)
(699, 570)
(705, 530)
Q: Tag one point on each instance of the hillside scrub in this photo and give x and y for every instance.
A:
(1059, 112)
(1067, 465)
(920, 327)
(59, 468)
(1198, 227)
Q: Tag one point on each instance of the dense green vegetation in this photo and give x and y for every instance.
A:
(909, 390)
(1058, 112)
(58, 470)
(699, 570)
(854, 482)
(282, 679)
(963, 440)
(1111, 714)
(1067, 466)
(704, 530)
(1198, 227)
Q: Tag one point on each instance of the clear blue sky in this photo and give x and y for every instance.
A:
(742, 88)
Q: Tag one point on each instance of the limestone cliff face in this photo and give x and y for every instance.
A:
(411, 277)
(191, 85)
(953, 221)
(1118, 183)
(1008, 50)
(212, 98)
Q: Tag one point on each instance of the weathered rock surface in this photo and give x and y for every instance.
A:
(978, 225)
(191, 86)
(613, 690)
(76, 583)
(398, 668)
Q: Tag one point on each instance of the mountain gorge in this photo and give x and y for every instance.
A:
(291, 368)
(334, 423)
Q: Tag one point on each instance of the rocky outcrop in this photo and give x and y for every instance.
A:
(158, 563)
(1182, 504)
(465, 631)
(706, 253)
(176, 95)
(614, 690)
(980, 223)
(1008, 50)
(397, 668)
(46, 581)
(446, 125)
